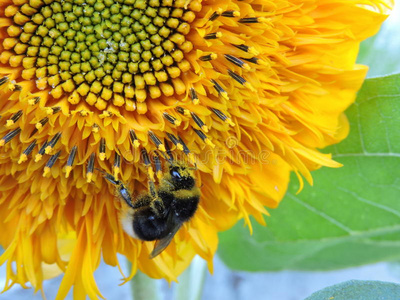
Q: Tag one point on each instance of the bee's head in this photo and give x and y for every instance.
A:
(181, 176)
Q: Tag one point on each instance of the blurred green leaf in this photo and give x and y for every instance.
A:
(381, 52)
(352, 214)
(359, 290)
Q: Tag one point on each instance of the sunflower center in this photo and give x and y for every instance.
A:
(101, 50)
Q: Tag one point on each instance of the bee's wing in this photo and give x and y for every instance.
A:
(164, 242)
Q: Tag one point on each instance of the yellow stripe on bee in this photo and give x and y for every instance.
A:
(186, 194)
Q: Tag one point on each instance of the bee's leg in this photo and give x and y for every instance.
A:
(158, 165)
(109, 177)
(168, 183)
(168, 150)
(121, 188)
(125, 195)
(152, 190)
(156, 204)
(142, 201)
(150, 173)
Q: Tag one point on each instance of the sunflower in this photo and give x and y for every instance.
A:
(243, 91)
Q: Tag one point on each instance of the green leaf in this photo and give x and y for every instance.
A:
(352, 214)
(359, 290)
(381, 52)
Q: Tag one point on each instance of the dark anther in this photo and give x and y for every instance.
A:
(145, 157)
(253, 60)
(117, 160)
(9, 136)
(212, 36)
(237, 77)
(53, 159)
(30, 148)
(90, 165)
(71, 156)
(234, 60)
(218, 87)
(219, 113)
(155, 139)
(214, 16)
(169, 118)
(248, 20)
(200, 134)
(3, 80)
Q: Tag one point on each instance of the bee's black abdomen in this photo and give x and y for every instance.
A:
(148, 226)
(185, 209)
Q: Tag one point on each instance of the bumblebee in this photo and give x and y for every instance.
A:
(159, 214)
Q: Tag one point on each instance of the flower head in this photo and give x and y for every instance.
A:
(246, 91)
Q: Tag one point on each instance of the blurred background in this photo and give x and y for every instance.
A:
(382, 54)
(224, 283)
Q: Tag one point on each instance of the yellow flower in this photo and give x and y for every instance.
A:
(245, 90)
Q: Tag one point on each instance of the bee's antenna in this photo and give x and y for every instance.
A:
(120, 187)
(150, 172)
(147, 162)
(101, 171)
(187, 152)
(109, 177)
(170, 157)
(157, 162)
